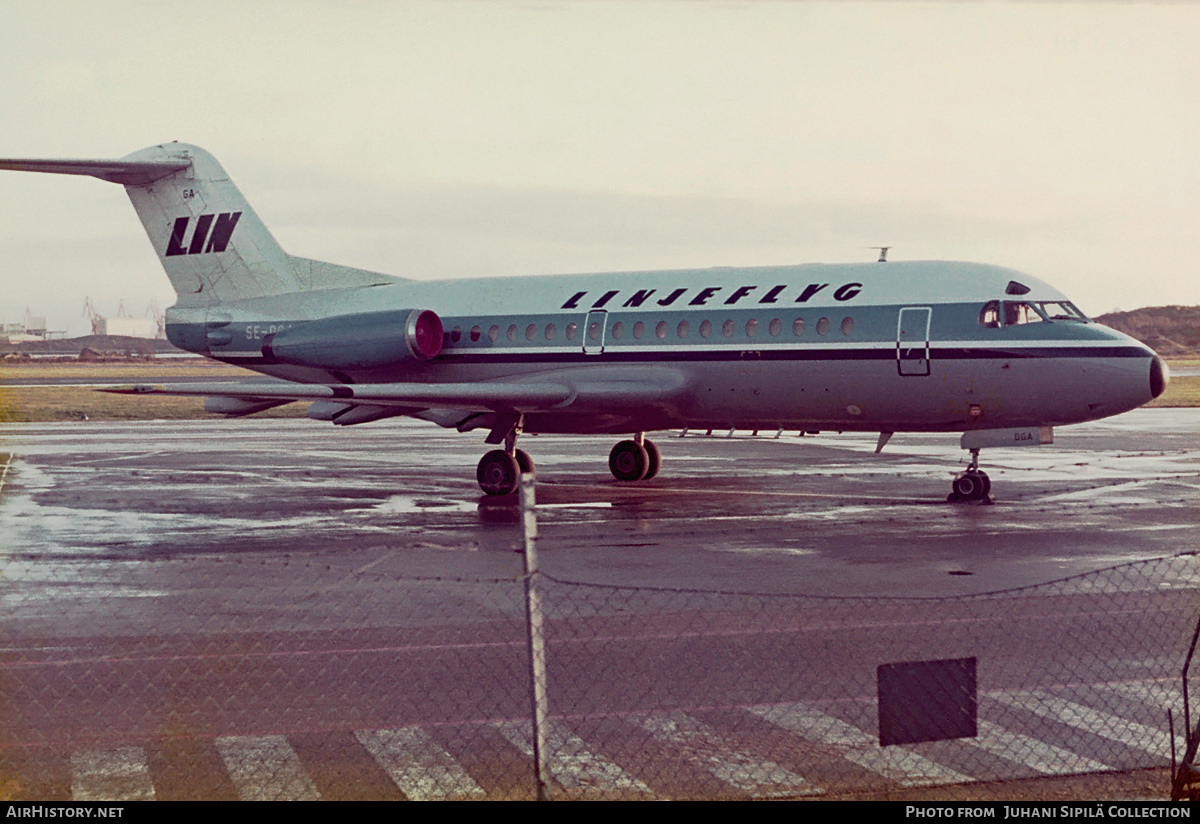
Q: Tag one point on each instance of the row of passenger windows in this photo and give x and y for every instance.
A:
(639, 329)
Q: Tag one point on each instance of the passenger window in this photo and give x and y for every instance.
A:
(727, 328)
(661, 329)
(494, 333)
(638, 329)
(551, 331)
(823, 326)
(512, 332)
(682, 329)
(618, 330)
(751, 328)
(705, 328)
(847, 326)
(571, 330)
(531, 331)
(798, 327)
(989, 315)
(456, 334)
(594, 331)
(476, 334)
(775, 327)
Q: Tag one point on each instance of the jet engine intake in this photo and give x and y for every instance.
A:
(362, 341)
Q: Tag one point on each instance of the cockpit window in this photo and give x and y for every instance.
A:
(1017, 313)
(989, 315)
(1061, 310)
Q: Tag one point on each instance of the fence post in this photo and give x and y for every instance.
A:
(537, 641)
(1187, 775)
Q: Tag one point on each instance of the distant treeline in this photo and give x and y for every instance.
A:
(1172, 331)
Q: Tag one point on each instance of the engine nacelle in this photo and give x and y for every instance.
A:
(361, 341)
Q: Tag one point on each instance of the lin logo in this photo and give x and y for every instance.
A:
(222, 230)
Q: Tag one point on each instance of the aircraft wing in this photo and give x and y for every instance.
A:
(520, 397)
(607, 389)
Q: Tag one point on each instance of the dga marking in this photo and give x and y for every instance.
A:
(265, 768)
(119, 774)
(699, 743)
(418, 765)
(903, 766)
(572, 764)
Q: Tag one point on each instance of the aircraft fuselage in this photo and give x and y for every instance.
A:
(856, 347)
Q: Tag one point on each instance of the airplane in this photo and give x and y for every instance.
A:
(920, 346)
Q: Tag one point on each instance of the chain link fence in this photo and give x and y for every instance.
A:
(220, 679)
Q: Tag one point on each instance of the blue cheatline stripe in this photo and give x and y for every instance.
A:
(666, 355)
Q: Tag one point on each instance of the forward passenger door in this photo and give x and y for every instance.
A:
(912, 340)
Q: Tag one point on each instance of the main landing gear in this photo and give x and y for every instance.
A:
(635, 460)
(499, 471)
(971, 485)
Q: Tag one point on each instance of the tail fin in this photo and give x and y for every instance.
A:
(209, 240)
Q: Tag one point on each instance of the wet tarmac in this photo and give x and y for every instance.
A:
(814, 515)
(231, 609)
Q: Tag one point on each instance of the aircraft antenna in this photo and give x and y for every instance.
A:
(883, 250)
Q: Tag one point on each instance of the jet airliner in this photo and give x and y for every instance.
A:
(928, 346)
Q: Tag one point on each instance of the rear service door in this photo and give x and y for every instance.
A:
(912, 340)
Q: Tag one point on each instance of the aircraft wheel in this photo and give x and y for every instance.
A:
(498, 473)
(628, 461)
(969, 487)
(655, 459)
(524, 462)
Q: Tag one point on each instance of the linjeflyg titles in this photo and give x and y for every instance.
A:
(723, 295)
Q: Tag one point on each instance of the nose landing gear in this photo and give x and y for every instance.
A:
(971, 485)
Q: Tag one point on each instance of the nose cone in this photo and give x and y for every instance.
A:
(1160, 376)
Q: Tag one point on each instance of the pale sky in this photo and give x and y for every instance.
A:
(501, 138)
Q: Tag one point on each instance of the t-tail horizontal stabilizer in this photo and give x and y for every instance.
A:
(125, 172)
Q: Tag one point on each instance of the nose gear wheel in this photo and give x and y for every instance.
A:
(971, 486)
